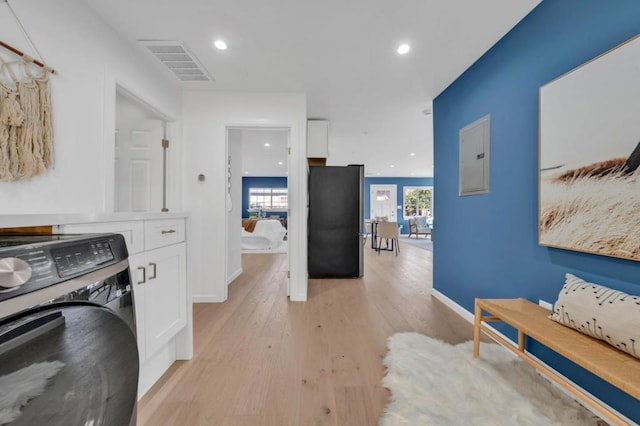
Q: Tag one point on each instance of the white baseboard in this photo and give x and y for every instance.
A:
(468, 316)
(298, 297)
(233, 276)
(205, 298)
(453, 305)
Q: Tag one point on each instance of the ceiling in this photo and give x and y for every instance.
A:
(264, 151)
(342, 54)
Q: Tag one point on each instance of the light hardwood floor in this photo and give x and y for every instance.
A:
(262, 360)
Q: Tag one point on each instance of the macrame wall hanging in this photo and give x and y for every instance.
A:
(26, 136)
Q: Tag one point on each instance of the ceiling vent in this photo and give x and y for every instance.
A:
(182, 63)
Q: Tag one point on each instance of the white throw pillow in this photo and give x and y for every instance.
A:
(600, 312)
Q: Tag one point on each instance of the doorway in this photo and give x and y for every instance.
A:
(257, 195)
(383, 202)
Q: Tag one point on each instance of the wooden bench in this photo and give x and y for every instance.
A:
(614, 366)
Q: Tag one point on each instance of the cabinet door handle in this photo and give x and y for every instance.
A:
(154, 266)
(144, 274)
(170, 231)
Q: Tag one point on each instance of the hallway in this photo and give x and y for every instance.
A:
(261, 360)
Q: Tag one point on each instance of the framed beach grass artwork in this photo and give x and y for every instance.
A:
(589, 156)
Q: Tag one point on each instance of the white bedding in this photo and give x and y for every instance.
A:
(268, 234)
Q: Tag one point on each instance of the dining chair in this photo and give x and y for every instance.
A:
(388, 231)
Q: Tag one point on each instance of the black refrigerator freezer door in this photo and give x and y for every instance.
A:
(335, 222)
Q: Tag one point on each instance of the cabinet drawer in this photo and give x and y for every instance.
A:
(132, 231)
(160, 233)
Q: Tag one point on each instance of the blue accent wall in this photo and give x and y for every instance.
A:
(400, 183)
(260, 182)
(487, 245)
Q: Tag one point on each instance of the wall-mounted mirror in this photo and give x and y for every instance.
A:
(140, 159)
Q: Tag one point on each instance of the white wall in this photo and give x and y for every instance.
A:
(90, 58)
(206, 116)
(234, 216)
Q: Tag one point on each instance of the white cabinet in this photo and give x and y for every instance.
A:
(159, 289)
(165, 296)
(160, 233)
(317, 139)
(138, 272)
(158, 269)
(131, 230)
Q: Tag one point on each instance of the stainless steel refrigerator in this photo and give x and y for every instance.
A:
(335, 224)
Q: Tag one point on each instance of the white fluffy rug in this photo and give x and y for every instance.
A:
(434, 383)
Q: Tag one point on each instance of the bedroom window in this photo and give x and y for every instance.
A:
(268, 198)
(418, 201)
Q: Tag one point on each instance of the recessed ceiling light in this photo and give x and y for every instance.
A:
(267, 144)
(378, 174)
(220, 45)
(392, 166)
(280, 163)
(413, 154)
(246, 173)
(403, 49)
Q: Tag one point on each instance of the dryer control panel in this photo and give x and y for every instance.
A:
(81, 257)
(29, 263)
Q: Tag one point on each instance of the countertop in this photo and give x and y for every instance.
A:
(14, 221)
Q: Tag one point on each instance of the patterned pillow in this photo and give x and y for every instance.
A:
(600, 312)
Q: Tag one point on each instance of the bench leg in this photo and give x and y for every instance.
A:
(476, 330)
(520, 341)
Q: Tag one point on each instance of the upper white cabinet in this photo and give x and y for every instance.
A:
(317, 139)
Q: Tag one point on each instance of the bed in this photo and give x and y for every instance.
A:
(266, 234)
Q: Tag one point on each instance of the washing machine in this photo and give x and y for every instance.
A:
(68, 350)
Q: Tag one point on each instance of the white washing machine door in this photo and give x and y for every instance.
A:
(68, 364)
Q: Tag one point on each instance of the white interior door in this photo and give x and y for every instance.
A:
(138, 162)
(138, 174)
(383, 201)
